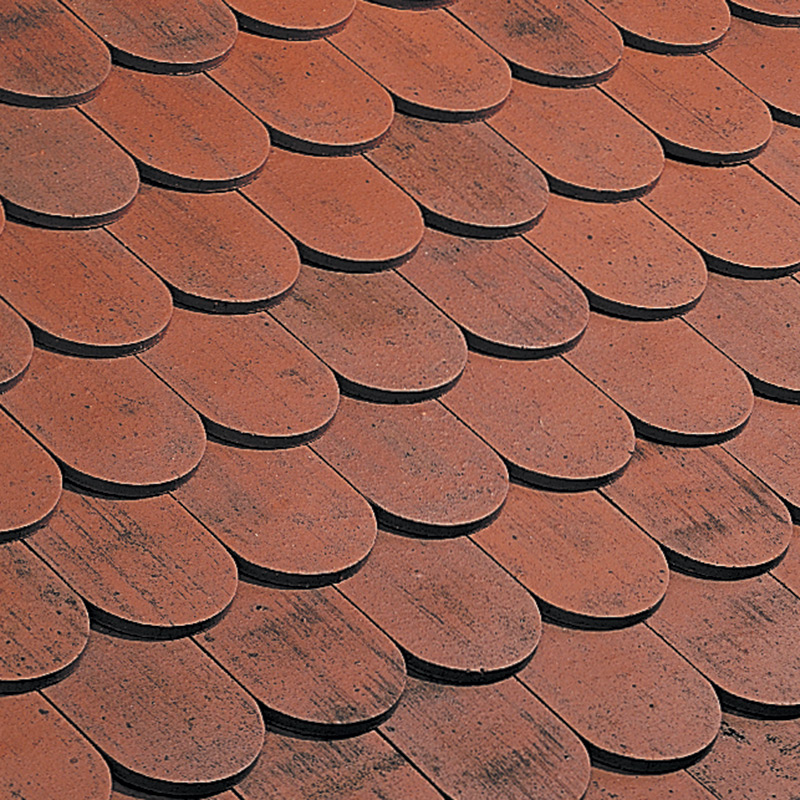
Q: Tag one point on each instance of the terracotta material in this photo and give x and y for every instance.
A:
(788, 571)
(158, 36)
(62, 187)
(122, 792)
(545, 419)
(44, 757)
(433, 66)
(769, 12)
(697, 110)
(637, 704)
(166, 716)
(586, 144)
(50, 59)
(249, 499)
(216, 251)
(141, 110)
(676, 387)
(43, 623)
(246, 376)
(624, 257)
(145, 566)
(711, 516)
(112, 424)
(290, 19)
(467, 179)
(83, 292)
(334, 675)
(417, 464)
(779, 161)
(383, 339)
(312, 98)
(17, 349)
(614, 786)
(342, 212)
(470, 741)
(505, 296)
(585, 562)
(548, 41)
(455, 614)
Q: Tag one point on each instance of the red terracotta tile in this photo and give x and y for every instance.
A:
(112, 424)
(697, 110)
(250, 380)
(615, 786)
(433, 66)
(82, 291)
(475, 741)
(557, 42)
(50, 58)
(17, 351)
(779, 161)
(507, 298)
(306, 19)
(162, 35)
(455, 614)
(342, 212)
(216, 251)
(43, 623)
(467, 179)
(637, 704)
(317, 664)
(163, 713)
(770, 12)
(585, 562)
(675, 386)
(742, 635)
(625, 258)
(144, 566)
(169, 124)
(520, 408)
(287, 517)
(382, 338)
(788, 571)
(78, 177)
(417, 464)
(44, 757)
(585, 143)
(312, 98)
(123, 792)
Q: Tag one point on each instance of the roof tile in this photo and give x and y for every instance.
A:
(770, 12)
(779, 161)
(17, 352)
(285, 19)
(788, 571)
(613, 786)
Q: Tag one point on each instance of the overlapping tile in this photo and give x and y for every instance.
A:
(780, 159)
(769, 12)
(17, 352)
(306, 19)
(606, 785)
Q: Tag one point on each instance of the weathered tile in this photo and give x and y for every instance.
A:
(607, 785)
(17, 350)
(779, 161)
(788, 571)
(306, 19)
(769, 12)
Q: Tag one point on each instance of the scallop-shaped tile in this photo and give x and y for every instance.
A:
(585, 143)
(82, 291)
(433, 66)
(556, 42)
(112, 424)
(421, 468)
(163, 713)
(607, 785)
(545, 419)
(341, 212)
(788, 571)
(145, 566)
(17, 351)
(505, 296)
(769, 12)
(697, 110)
(474, 741)
(162, 35)
(170, 125)
(636, 703)
(80, 178)
(627, 260)
(50, 59)
(382, 338)
(586, 563)
(317, 664)
(467, 178)
(123, 792)
(306, 19)
(675, 386)
(312, 98)
(252, 502)
(780, 159)
(216, 251)
(250, 380)
(43, 756)
(711, 516)
(742, 635)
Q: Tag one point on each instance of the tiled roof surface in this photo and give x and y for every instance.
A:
(398, 399)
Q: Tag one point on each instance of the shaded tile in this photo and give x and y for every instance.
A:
(779, 161)
(382, 338)
(770, 12)
(317, 664)
(17, 351)
(586, 563)
(123, 792)
(306, 19)
(788, 571)
(615, 786)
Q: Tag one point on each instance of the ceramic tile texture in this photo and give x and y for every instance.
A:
(399, 400)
